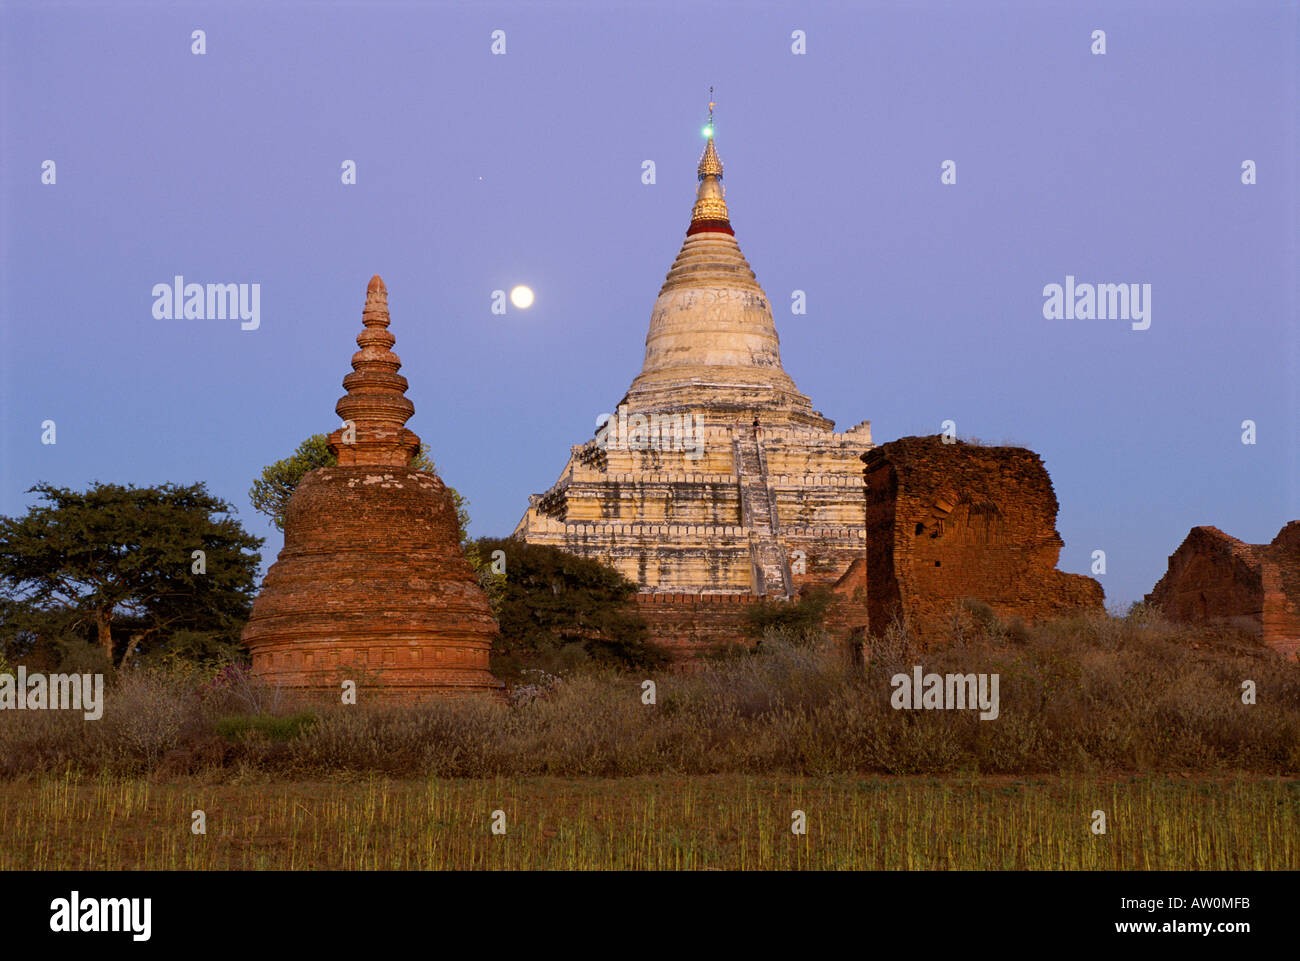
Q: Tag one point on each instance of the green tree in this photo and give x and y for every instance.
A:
(120, 563)
(802, 616)
(492, 581)
(557, 608)
(270, 493)
(45, 637)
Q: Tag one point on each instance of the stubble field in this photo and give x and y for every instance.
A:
(654, 823)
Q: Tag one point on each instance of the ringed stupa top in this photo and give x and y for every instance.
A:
(712, 346)
(375, 405)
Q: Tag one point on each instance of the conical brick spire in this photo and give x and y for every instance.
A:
(372, 584)
(375, 408)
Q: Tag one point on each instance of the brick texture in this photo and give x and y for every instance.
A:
(1216, 579)
(687, 625)
(372, 584)
(951, 522)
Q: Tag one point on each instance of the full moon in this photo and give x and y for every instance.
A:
(522, 297)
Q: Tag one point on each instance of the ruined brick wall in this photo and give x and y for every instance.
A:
(1281, 575)
(1218, 580)
(951, 522)
(1212, 579)
(687, 625)
(886, 583)
(847, 618)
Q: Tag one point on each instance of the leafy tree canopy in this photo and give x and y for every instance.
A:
(121, 562)
(557, 608)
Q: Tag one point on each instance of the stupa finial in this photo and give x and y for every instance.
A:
(710, 212)
(375, 408)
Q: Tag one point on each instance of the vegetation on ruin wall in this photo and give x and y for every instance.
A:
(271, 491)
(729, 822)
(1083, 695)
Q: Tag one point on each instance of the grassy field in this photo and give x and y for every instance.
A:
(1134, 717)
(656, 823)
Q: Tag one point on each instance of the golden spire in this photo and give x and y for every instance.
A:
(710, 212)
(710, 162)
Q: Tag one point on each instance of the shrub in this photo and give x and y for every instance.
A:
(273, 728)
(803, 616)
(559, 612)
(1081, 694)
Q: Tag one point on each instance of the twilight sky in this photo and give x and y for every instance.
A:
(476, 172)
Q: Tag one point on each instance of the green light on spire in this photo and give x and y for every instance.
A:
(708, 131)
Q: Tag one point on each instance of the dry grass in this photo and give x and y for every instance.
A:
(730, 822)
(1083, 696)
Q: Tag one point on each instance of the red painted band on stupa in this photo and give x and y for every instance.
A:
(710, 226)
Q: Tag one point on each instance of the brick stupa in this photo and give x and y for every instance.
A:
(372, 584)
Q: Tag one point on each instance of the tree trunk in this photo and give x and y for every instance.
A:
(129, 653)
(105, 633)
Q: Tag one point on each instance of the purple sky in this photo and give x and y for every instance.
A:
(477, 172)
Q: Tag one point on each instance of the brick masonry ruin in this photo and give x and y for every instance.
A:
(683, 625)
(950, 522)
(1218, 580)
(372, 584)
